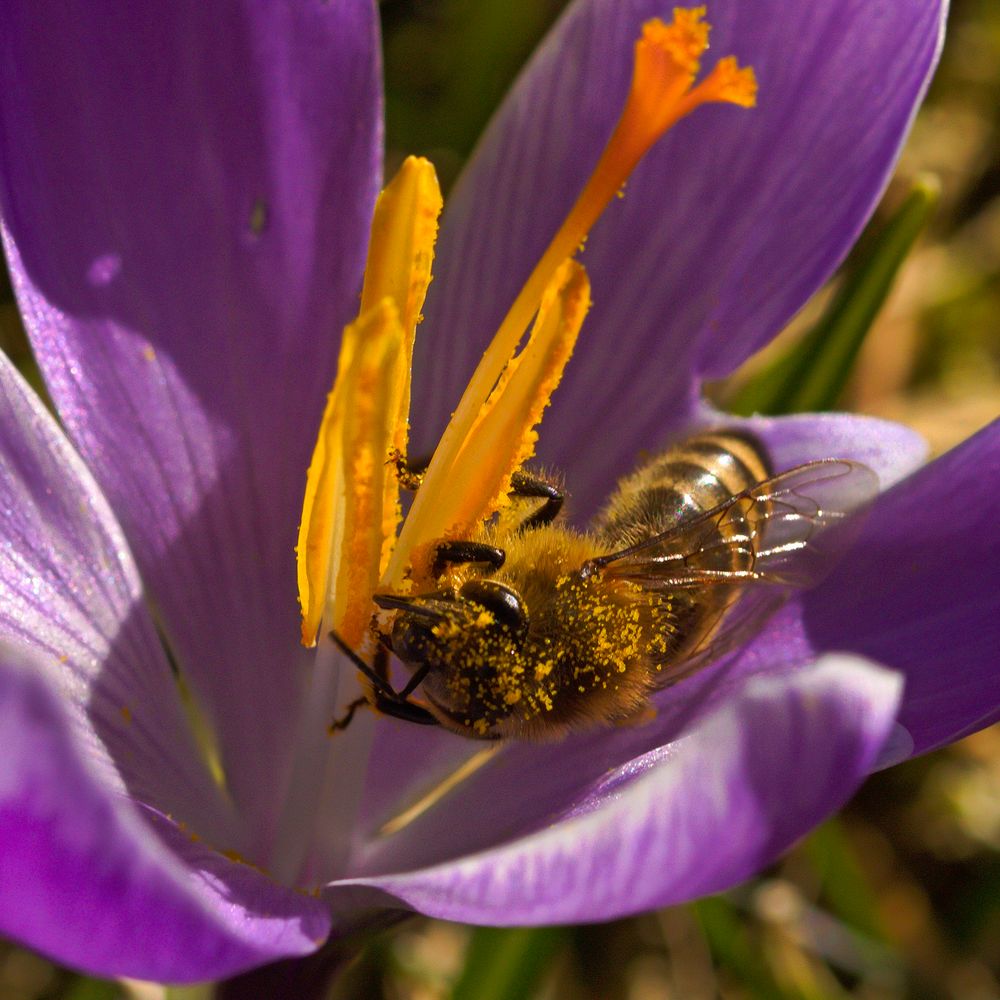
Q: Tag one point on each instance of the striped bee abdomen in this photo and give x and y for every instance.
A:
(694, 476)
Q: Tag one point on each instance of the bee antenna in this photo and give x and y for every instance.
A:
(396, 602)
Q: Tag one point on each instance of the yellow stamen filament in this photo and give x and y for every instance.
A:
(438, 792)
(667, 60)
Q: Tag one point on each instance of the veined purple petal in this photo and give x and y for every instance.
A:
(85, 879)
(726, 229)
(710, 809)
(187, 200)
(921, 591)
(70, 592)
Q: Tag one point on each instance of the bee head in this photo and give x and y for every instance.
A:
(470, 644)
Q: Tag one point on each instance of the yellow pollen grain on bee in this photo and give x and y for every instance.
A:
(447, 629)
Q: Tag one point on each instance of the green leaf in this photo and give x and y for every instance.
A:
(507, 963)
(725, 930)
(845, 888)
(812, 375)
(85, 988)
(198, 991)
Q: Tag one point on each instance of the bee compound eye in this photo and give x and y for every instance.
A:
(501, 601)
(410, 639)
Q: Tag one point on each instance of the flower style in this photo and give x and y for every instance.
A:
(186, 200)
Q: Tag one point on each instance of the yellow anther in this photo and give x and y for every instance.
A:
(340, 537)
(400, 255)
(349, 459)
(401, 251)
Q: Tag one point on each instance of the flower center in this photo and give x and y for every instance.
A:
(350, 540)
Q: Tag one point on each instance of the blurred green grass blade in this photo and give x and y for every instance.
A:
(725, 930)
(812, 375)
(846, 891)
(198, 991)
(84, 988)
(507, 963)
(445, 72)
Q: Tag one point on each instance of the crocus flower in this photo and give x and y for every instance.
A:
(186, 197)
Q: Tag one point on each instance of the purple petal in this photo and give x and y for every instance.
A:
(891, 450)
(710, 809)
(85, 879)
(70, 591)
(187, 198)
(921, 593)
(726, 229)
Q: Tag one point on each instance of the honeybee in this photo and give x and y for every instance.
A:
(536, 628)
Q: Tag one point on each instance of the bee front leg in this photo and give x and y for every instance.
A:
(404, 709)
(345, 720)
(384, 697)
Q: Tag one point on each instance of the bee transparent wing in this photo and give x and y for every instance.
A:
(743, 559)
(788, 530)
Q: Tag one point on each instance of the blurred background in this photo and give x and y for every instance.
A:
(899, 896)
